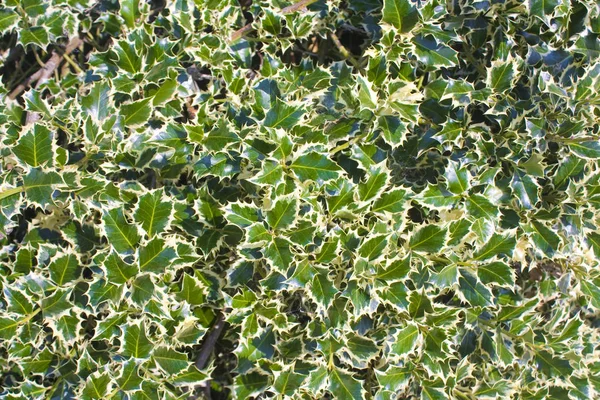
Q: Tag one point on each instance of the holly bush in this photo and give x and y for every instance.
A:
(327, 199)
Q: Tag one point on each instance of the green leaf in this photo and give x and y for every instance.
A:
(373, 187)
(56, 303)
(165, 93)
(439, 198)
(587, 150)
(39, 364)
(128, 60)
(283, 115)
(8, 328)
(315, 167)
(328, 252)
(283, 213)
(373, 248)
(97, 386)
(272, 25)
(552, 366)
(365, 94)
(279, 253)
(251, 384)
(343, 198)
(405, 340)
(217, 165)
(593, 239)
(361, 347)
(117, 270)
(36, 35)
(129, 378)
(591, 288)
(400, 14)
(432, 393)
(447, 277)
(391, 202)
(136, 113)
(526, 189)
(395, 270)
(270, 174)
(101, 291)
(67, 328)
(474, 291)
(35, 103)
(344, 385)
(7, 19)
(394, 378)
(568, 170)
(259, 348)
(434, 54)
(322, 289)
(545, 240)
(220, 137)
(97, 102)
(257, 234)
(65, 269)
(17, 302)
(483, 228)
(108, 328)
(419, 304)
(171, 361)
(429, 239)
(498, 244)
(156, 256)
(480, 207)
(123, 236)
(40, 185)
(135, 341)
(457, 179)
(130, 12)
(501, 75)
(191, 291)
(242, 215)
(496, 272)
(153, 212)
(541, 8)
(35, 147)
(142, 289)
(189, 378)
(288, 383)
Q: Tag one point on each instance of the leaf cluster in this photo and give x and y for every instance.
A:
(353, 199)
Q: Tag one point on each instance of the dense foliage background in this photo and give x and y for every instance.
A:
(353, 199)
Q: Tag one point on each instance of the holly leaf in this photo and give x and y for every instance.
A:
(405, 341)
(322, 289)
(344, 385)
(35, 147)
(315, 167)
(135, 342)
(283, 214)
(123, 236)
(430, 239)
(400, 14)
(153, 212)
(169, 360)
(36, 35)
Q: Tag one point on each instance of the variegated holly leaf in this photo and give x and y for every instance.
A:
(299, 199)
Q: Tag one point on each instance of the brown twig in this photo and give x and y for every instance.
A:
(298, 6)
(237, 35)
(210, 341)
(344, 51)
(44, 73)
(206, 350)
